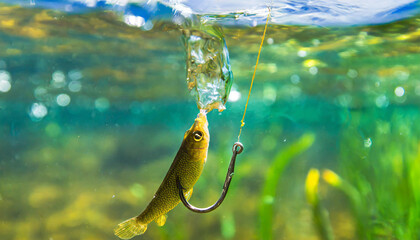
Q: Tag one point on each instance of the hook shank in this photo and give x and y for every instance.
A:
(236, 149)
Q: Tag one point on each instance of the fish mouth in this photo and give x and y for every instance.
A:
(202, 116)
(201, 120)
(201, 124)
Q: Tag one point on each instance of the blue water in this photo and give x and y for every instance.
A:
(94, 105)
(318, 13)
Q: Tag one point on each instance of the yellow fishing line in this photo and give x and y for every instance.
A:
(253, 76)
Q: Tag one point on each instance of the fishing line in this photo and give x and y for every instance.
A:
(236, 149)
(253, 76)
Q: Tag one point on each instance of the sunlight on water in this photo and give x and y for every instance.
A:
(253, 12)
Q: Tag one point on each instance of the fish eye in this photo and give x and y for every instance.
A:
(198, 135)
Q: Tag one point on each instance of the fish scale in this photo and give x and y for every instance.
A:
(187, 166)
(166, 197)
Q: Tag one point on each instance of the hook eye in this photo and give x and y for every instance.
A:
(237, 147)
(197, 135)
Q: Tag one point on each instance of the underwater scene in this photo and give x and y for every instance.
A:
(96, 96)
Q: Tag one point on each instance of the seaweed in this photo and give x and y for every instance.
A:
(274, 172)
(380, 178)
(320, 214)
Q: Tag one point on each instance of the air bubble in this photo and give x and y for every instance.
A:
(38, 111)
(63, 100)
(399, 91)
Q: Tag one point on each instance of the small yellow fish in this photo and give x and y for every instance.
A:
(187, 166)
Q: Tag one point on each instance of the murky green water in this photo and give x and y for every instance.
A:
(92, 112)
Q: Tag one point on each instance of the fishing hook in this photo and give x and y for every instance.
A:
(236, 149)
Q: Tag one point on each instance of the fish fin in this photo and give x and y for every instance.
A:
(130, 228)
(161, 220)
(188, 194)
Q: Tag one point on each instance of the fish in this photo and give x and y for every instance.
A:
(187, 166)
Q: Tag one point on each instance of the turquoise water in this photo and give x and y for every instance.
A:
(92, 112)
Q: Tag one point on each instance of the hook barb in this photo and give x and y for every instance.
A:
(236, 149)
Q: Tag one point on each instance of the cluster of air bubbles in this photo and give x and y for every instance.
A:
(75, 85)
(59, 81)
(46, 98)
(234, 95)
(135, 21)
(5, 81)
(138, 21)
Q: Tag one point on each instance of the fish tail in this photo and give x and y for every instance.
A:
(130, 228)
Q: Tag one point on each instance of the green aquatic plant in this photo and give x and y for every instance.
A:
(379, 164)
(320, 214)
(228, 226)
(273, 175)
(354, 196)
